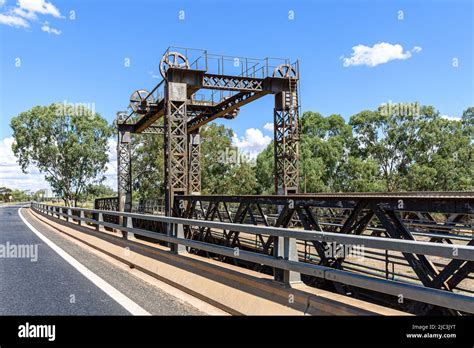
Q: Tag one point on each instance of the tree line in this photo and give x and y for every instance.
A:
(374, 150)
(14, 195)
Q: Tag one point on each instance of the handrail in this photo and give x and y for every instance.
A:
(460, 252)
(284, 260)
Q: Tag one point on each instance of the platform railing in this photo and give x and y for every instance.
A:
(286, 258)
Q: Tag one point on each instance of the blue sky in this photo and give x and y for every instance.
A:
(82, 60)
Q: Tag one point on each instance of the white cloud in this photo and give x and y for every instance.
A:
(25, 14)
(111, 169)
(380, 53)
(12, 177)
(28, 10)
(39, 6)
(252, 143)
(269, 126)
(10, 172)
(451, 118)
(46, 28)
(13, 21)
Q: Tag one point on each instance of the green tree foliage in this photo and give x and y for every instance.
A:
(444, 158)
(467, 121)
(329, 160)
(223, 171)
(324, 141)
(20, 195)
(359, 175)
(14, 195)
(418, 152)
(147, 165)
(5, 194)
(326, 159)
(94, 191)
(372, 152)
(217, 158)
(376, 151)
(389, 140)
(68, 147)
(39, 195)
(264, 171)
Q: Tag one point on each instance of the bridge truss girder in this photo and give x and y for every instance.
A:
(183, 116)
(124, 162)
(381, 215)
(286, 138)
(176, 142)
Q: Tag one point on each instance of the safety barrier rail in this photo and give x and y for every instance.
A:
(286, 258)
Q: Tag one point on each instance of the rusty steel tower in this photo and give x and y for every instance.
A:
(197, 88)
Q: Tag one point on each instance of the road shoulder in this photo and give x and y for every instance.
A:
(149, 293)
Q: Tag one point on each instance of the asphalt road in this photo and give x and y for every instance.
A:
(45, 284)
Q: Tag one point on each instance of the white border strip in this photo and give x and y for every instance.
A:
(116, 295)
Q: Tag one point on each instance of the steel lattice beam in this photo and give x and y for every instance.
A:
(124, 158)
(223, 108)
(232, 83)
(194, 163)
(176, 142)
(154, 130)
(286, 137)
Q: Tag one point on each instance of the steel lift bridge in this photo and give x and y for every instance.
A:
(197, 88)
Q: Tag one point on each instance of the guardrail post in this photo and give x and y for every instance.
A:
(69, 215)
(100, 220)
(129, 224)
(177, 231)
(286, 248)
(81, 216)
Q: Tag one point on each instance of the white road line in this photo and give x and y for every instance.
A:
(116, 295)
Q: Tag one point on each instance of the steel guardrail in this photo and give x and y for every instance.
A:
(286, 262)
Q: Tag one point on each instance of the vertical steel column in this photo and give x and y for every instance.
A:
(124, 157)
(176, 143)
(194, 163)
(286, 137)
